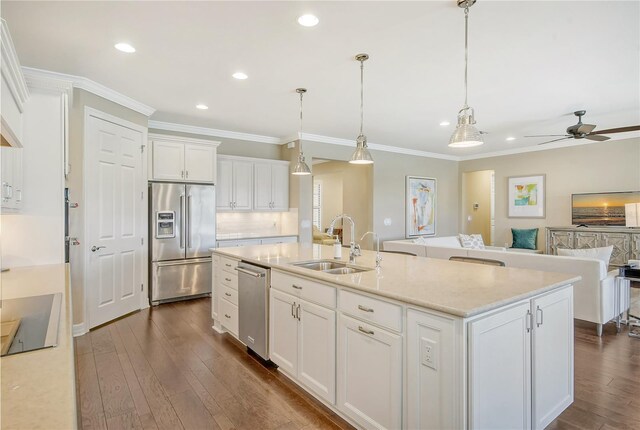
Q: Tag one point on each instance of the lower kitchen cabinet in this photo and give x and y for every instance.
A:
(369, 374)
(229, 316)
(302, 342)
(521, 363)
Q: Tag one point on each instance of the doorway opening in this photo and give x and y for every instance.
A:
(478, 204)
(339, 188)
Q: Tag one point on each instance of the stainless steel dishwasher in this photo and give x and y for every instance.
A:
(253, 307)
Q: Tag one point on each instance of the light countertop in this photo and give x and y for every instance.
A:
(461, 289)
(241, 236)
(38, 387)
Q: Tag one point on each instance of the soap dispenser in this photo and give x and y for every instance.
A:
(337, 249)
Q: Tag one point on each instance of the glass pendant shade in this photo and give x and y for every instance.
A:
(361, 155)
(301, 167)
(466, 134)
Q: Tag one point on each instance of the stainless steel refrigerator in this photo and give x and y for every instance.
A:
(182, 229)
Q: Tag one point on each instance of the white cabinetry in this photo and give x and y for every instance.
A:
(224, 292)
(302, 339)
(183, 159)
(369, 374)
(13, 92)
(271, 187)
(251, 184)
(521, 363)
(256, 241)
(235, 185)
(11, 179)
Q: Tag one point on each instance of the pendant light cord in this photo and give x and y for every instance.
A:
(361, 95)
(466, 52)
(300, 133)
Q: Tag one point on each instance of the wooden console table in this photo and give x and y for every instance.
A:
(625, 241)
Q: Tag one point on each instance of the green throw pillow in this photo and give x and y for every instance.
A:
(524, 238)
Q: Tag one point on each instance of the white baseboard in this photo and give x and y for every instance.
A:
(79, 329)
(218, 328)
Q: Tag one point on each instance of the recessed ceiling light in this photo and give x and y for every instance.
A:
(240, 75)
(202, 107)
(509, 139)
(125, 47)
(308, 20)
(445, 123)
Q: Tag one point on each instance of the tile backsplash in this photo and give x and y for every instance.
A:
(257, 223)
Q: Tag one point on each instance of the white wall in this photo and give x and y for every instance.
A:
(35, 235)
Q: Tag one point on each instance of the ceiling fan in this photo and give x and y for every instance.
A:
(585, 131)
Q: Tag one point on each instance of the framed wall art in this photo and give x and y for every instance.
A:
(420, 206)
(526, 196)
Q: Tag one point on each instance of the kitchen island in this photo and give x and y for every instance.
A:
(418, 343)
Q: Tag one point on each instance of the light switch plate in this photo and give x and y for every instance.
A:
(429, 353)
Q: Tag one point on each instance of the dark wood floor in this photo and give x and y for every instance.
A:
(166, 368)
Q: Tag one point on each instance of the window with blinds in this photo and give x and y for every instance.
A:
(317, 204)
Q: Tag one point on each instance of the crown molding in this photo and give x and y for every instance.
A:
(206, 131)
(35, 79)
(372, 146)
(10, 67)
(92, 87)
(537, 148)
(180, 139)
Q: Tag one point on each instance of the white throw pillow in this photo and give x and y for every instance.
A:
(471, 241)
(602, 254)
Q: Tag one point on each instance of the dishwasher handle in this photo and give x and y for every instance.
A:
(250, 273)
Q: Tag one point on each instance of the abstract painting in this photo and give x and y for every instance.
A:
(420, 206)
(526, 196)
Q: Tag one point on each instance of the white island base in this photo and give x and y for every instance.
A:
(383, 361)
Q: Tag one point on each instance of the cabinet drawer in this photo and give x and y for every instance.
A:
(229, 280)
(312, 291)
(369, 309)
(228, 265)
(229, 294)
(229, 316)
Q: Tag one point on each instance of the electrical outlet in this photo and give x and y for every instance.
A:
(429, 353)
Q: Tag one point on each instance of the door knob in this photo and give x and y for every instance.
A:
(95, 248)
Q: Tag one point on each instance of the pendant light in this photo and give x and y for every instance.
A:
(361, 155)
(301, 167)
(466, 134)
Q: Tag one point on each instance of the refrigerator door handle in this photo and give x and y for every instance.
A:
(181, 262)
(182, 221)
(188, 233)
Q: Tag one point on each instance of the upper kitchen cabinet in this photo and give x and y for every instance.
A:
(13, 91)
(250, 184)
(11, 178)
(181, 159)
(234, 190)
(271, 186)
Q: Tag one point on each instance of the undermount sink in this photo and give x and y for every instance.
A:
(328, 266)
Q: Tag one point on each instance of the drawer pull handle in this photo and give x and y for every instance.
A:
(227, 294)
(228, 265)
(364, 308)
(227, 279)
(228, 316)
(364, 330)
(296, 287)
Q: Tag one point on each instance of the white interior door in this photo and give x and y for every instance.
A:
(113, 199)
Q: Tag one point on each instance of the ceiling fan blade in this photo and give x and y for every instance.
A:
(550, 135)
(618, 130)
(597, 137)
(585, 128)
(555, 140)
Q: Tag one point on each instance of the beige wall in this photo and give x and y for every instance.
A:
(241, 148)
(331, 199)
(82, 99)
(597, 167)
(389, 172)
(476, 188)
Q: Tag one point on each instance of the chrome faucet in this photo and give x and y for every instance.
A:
(377, 237)
(354, 250)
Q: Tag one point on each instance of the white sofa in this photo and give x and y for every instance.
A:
(594, 295)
